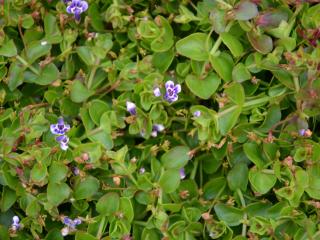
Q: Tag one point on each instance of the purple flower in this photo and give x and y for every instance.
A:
(15, 223)
(63, 140)
(142, 170)
(197, 113)
(156, 128)
(157, 92)
(302, 132)
(77, 221)
(76, 7)
(172, 91)
(65, 231)
(60, 128)
(75, 171)
(131, 108)
(67, 221)
(182, 173)
(71, 223)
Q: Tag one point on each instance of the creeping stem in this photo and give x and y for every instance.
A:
(245, 216)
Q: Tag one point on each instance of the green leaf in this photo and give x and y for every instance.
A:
(232, 43)
(195, 46)
(93, 149)
(84, 236)
(272, 118)
(108, 204)
(214, 188)
(126, 208)
(238, 177)
(36, 50)
(300, 155)
(170, 180)
(260, 181)
(148, 29)
(228, 119)
(79, 93)
(53, 34)
(33, 208)
(223, 65)
(57, 193)
(8, 49)
(54, 234)
(240, 73)
(49, 74)
(86, 188)
(231, 215)
(163, 60)
(165, 40)
(203, 88)
(176, 157)
(313, 188)
(284, 77)
(95, 17)
(212, 163)
(262, 43)
(15, 76)
(4, 233)
(86, 55)
(8, 198)
(57, 172)
(254, 154)
(38, 172)
(96, 109)
(235, 93)
(245, 10)
(104, 138)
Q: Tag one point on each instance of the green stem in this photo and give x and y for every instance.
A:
(194, 170)
(141, 223)
(245, 217)
(92, 132)
(100, 229)
(91, 76)
(246, 104)
(201, 174)
(219, 40)
(296, 83)
(25, 63)
(72, 144)
(64, 53)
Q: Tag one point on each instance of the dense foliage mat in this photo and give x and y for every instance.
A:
(159, 119)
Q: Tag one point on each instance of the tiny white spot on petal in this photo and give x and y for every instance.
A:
(43, 43)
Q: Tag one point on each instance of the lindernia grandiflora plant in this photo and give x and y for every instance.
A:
(163, 119)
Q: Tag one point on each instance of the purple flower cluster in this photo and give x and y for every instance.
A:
(172, 91)
(76, 7)
(70, 225)
(15, 223)
(60, 130)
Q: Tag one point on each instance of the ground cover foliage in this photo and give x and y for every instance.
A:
(136, 119)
